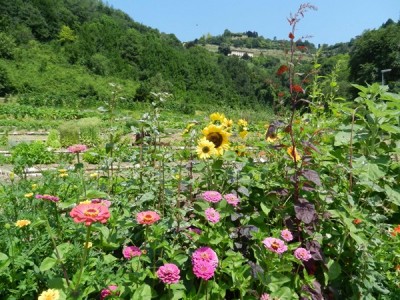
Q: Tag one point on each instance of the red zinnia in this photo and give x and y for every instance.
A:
(282, 69)
(90, 213)
(147, 217)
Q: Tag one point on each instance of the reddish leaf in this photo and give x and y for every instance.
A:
(313, 176)
(305, 212)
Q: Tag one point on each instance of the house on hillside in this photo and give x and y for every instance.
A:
(241, 53)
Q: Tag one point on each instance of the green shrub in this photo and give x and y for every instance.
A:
(89, 131)
(28, 154)
(53, 139)
(83, 131)
(69, 133)
(94, 155)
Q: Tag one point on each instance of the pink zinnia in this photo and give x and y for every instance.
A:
(286, 235)
(203, 270)
(77, 148)
(205, 254)
(302, 254)
(212, 196)
(265, 296)
(108, 291)
(90, 213)
(275, 245)
(232, 199)
(147, 217)
(169, 273)
(131, 251)
(48, 197)
(212, 215)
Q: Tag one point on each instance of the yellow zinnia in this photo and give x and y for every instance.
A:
(218, 136)
(22, 223)
(205, 149)
(28, 195)
(50, 294)
(293, 153)
(242, 123)
(243, 134)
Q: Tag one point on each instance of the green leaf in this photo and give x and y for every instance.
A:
(109, 258)
(334, 270)
(64, 249)
(266, 210)
(47, 264)
(393, 195)
(284, 293)
(390, 128)
(143, 292)
(92, 194)
(3, 256)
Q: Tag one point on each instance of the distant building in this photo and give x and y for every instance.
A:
(241, 53)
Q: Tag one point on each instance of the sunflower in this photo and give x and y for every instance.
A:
(217, 118)
(205, 148)
(227, 124)
(240, 150)
(218, 136)
(293, 153)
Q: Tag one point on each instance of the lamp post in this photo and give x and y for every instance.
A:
(383, 72)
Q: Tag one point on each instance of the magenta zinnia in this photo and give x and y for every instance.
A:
(48, 197)
(212, 196)
(169, 273)
(212, 215)
(205, 254)
(89, 213)
(232, 199)
(203, 270)
(302, 254)
(77, 148)
(147, 217)
(108, 291)
(131, 251)
(286, 235)
(275, 245)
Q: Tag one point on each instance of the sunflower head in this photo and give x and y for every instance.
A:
(217, 118)
(205, 149)
(227, 124)
(218, 136)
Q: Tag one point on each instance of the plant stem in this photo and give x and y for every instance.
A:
(84, 257)
(56, 251)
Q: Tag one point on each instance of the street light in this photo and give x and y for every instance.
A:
(383, 72)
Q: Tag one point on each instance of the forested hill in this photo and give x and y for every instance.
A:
(66, 52)
(70, 49)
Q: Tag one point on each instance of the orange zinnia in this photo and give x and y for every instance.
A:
(396, 230)
(297, 88)
(89, 213)
(282, 69)
(147, 217)
(293, 153)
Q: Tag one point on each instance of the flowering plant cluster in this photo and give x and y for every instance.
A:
(295, 215)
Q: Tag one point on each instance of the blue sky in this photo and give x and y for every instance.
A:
(334, 21)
